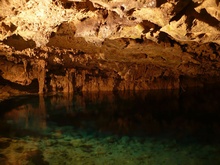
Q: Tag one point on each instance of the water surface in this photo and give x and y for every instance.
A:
(146, 127)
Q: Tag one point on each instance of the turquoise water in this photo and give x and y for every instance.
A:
(146, 127)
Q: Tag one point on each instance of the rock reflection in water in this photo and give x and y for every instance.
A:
(30, 116)
(126, 113)
(159, 127)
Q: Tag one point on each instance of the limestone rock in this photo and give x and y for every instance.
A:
(103, 45)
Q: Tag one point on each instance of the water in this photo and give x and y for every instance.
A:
(147, 127)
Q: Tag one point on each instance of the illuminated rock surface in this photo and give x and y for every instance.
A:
(103, 45)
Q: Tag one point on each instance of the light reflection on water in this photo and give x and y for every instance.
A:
(147, 127)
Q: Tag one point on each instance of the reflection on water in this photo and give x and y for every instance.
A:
(147, 127)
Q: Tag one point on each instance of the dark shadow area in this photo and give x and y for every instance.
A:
(15, 102)
(87, 5)
(148, 26)
(160, 2)
(216, 48)
(32, 88)
(10, 28)
(188, 8)
(206, 17)
(166, 39)
(194, 114)
(36, 157)
(217, 2)
(19, 43)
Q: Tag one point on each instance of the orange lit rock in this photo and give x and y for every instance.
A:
(101, 45)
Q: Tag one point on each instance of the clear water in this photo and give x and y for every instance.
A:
(148, 127)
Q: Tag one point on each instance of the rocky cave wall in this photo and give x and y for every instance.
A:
(107, 45)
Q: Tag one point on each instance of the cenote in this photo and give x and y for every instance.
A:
(147, 127)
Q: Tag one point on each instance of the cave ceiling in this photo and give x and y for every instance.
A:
(109, 44)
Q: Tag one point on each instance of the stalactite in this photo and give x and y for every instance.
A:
(67, 83)
(41, 75)
(25, 65)
(69, 77)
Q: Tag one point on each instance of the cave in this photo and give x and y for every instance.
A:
(79, 55)
(138, 45)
